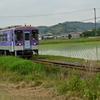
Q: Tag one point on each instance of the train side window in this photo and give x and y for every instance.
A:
(0, 37)
(3, 37)
(18, 35)
(35, 34)
(6, 37)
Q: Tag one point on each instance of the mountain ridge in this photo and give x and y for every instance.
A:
(67, 26)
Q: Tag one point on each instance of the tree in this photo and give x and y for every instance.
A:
(69, 36)
(87, 33)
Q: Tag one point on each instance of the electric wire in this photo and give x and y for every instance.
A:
(50, 14)
(53, 15)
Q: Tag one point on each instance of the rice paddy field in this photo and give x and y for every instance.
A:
(85, 50)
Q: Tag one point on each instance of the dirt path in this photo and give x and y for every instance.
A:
(10, 92)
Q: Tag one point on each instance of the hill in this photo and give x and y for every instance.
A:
(68, 27)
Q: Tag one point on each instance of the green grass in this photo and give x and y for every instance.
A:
(64, 40)
(23, 69)
(60, 58)
(65, 81)
(19, 65)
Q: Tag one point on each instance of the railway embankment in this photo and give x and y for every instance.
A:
(58, 82)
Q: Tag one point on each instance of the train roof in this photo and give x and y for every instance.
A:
(17, 27)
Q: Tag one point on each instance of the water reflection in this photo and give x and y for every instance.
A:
(89, 53)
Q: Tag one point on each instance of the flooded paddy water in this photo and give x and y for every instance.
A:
(88, 51)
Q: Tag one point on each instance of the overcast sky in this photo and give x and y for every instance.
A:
(47, 12)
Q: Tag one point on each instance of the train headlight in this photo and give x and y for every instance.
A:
(35, 43)
(19, 44)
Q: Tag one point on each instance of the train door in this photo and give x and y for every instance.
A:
(27, 40)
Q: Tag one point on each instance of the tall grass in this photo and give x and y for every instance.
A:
(27, 69)
(83, 88)
(71, 83)
(19, 65)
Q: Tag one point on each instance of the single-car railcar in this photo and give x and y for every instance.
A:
(19, 41)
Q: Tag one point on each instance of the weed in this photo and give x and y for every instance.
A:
(27, 73)
(89, 95)
(37, 83)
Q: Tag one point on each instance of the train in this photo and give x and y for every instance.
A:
(21, 41)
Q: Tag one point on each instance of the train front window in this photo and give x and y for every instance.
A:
(35, 34)
(27, 36)
(18, 35)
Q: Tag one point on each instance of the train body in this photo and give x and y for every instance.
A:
(19, 41)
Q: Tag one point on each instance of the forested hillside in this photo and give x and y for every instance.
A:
(68, 27)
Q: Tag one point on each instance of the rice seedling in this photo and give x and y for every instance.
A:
(89, 51)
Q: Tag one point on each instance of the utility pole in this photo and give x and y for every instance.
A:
(95, 20)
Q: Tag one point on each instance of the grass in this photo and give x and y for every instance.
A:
(71, 83)
(60, 58)
(19, 65)
(64, 40)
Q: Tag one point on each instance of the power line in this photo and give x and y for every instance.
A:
(89, 19)
(48, 14)
(53, 15)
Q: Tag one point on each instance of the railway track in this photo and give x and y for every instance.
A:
(72, 65)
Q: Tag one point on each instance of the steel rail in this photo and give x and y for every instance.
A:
(65, 64)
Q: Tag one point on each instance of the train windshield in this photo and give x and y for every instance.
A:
(18, 35)
(27, 37)
(35, 34)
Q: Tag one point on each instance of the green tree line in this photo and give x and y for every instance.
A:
(91, 33)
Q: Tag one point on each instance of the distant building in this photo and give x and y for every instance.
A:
(49, 36)
(41, 36)
(73, 34)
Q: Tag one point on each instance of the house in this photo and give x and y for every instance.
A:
(73, 34)
(49, 36)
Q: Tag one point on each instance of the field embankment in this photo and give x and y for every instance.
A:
(65, 40)
(29, 80)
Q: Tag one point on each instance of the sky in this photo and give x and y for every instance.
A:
(47, 12)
